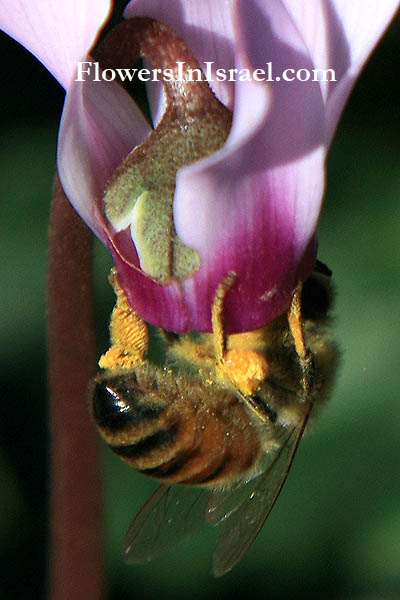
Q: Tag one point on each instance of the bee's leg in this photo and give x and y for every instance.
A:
(244, 368)
(128, 333)
(217, 316)
(296, 328)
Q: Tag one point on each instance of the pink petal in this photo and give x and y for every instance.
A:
(100, 125)
(206, 27)
(340, 34)
(161, 305)
(57, 33)
(253, 208)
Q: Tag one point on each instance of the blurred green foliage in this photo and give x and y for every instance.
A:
(335, 531)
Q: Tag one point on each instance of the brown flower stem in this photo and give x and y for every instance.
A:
(76, 569)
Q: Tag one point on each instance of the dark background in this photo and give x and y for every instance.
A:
(335, 531)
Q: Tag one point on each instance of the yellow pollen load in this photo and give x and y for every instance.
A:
(129, 336)
(246, 369)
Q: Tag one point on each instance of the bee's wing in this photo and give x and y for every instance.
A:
(240, 526)
(223, 503)
(169, 516)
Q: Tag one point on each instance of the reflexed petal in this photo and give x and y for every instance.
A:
(253, 207)
(340, 35)
(57, 33)
(262, 224)
(206, 27)
(100, 125)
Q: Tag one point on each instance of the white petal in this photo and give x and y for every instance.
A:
(58, 33)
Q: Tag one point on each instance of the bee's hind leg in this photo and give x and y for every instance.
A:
(245, 368)
(128, 333)
(296, 327)
(217, 316)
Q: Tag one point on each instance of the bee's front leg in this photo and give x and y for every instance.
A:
(128, 333)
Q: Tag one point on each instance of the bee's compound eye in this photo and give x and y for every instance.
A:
(109, 408)
(115, 406)
(316, 297)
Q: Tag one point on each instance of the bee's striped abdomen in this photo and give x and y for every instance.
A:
(164, 426)
(206, 456)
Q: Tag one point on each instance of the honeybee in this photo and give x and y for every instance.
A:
(223, 418)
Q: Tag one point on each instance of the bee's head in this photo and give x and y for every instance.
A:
(118, 401)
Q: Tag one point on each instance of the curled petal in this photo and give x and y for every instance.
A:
(57, 33)
(100, 125)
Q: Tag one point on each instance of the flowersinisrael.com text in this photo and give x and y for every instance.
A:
(93, 71)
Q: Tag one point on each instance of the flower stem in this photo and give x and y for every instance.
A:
(76, 569)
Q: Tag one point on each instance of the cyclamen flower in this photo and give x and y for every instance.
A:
(251, 207)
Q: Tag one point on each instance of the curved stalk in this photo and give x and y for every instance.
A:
(76, 534)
